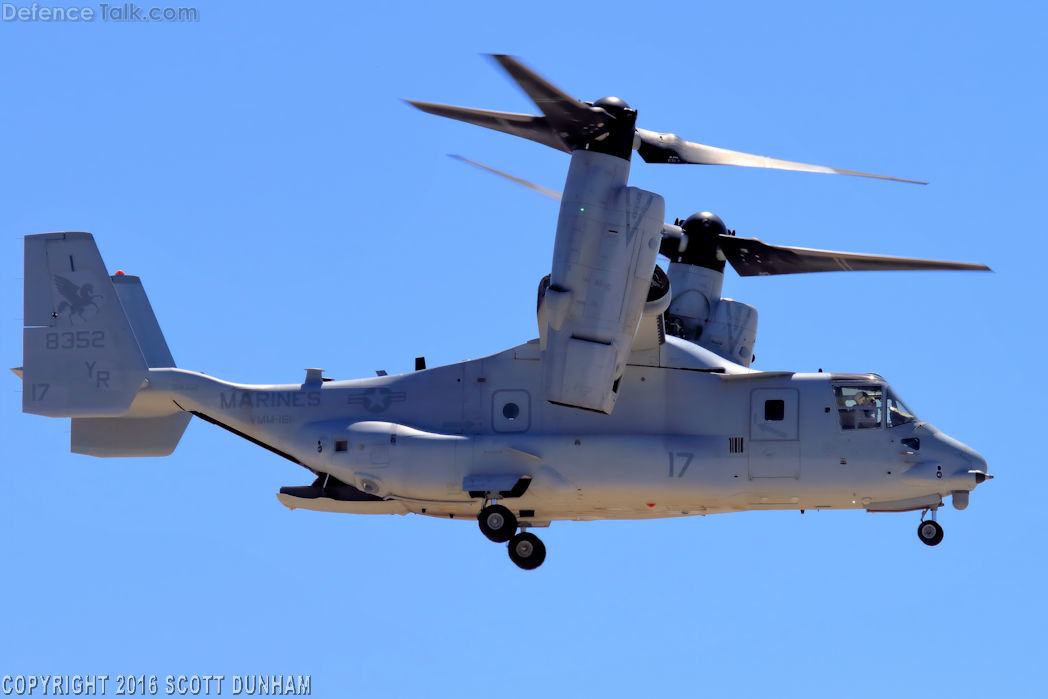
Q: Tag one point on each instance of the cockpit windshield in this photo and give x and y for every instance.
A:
(859, 407)
(898, 413)
(870, 406)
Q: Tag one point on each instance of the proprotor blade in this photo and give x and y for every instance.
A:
(544, 191)
(752, 257)
(606, 126)
(655, 147)
(560, 108)
(534, 128)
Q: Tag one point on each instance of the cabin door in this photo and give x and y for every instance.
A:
(775, 447)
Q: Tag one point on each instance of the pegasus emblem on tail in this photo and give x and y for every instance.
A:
(77, 298)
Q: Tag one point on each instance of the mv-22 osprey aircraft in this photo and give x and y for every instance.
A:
(636, 401)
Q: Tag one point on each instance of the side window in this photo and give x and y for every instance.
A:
(510, 411)
(859, 407)
(775, 410)
(774, 415)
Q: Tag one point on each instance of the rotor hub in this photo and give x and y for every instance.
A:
(703, 231)
(612, 105)
(704, 223)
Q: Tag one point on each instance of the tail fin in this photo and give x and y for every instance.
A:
(140, 314)
(88, 343)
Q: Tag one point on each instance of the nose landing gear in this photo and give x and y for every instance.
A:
(929, 532)
(499, 524)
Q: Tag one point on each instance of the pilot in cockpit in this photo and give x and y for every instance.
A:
(867, 409)
(858, 408)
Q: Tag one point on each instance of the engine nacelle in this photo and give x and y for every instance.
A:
(698, 314)
(731, 331)
(696, 291)
(608, 237)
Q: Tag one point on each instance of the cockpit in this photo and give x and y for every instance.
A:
(868, 406)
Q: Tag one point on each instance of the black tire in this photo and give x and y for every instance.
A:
(497, 523)
(527, 551)
(930, 532)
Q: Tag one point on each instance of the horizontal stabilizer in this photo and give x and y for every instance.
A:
(127, 436)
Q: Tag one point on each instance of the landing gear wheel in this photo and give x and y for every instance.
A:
(527, 551)
(497, 523)
(930, 532)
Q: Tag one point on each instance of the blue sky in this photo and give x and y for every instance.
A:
(285, 209)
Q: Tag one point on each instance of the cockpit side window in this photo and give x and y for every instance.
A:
(898, 413)
(859, 407)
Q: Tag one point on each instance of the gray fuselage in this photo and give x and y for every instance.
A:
(698, 437)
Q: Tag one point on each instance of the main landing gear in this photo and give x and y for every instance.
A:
(527, 551)
(929, 531)
(499, 524)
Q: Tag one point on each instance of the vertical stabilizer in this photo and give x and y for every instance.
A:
(143, 321)
(80, 355)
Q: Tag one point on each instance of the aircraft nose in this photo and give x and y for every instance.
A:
(953, 449)
(978, 471)
(976, 463)
(961, 460)
(979, 468)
